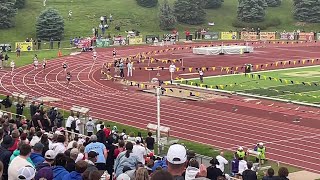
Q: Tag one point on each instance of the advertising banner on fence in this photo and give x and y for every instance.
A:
(120, 40)
(211, 35)
(25, 46)
(151, 38)
(103, 42)
(249, 36)
(135, 40)
(287, 36)
(266, 36)
(228, 35)
(318, 36)
(306, 36)
(84, 43)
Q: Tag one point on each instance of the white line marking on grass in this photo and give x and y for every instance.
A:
(256, 72)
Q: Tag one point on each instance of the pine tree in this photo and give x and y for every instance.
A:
(50, 24)
(7, 12)
(213, 4)
(307, 11)
(167, 18)
(273, 3)
(251, 10)
(20, 4)
(147, 3)
(190, 11)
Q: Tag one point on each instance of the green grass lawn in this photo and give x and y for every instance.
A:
(251, 84)
(129, 15)
(27, 57)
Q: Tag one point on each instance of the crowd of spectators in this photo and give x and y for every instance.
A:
(43, 149)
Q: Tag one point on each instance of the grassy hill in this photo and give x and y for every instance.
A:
(130, 16)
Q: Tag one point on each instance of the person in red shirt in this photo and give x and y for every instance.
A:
(15, 136)
(187, 35)
(107, 131)
(119, 149)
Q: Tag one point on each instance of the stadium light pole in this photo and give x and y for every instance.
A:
(158, 117)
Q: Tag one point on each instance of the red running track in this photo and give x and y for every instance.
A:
(210, 123)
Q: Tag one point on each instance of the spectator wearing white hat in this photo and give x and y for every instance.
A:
(139, 151)
(90, 127)
(262, 150)
(49, 159)
(26, 173)
(176, 161)
(240, 152)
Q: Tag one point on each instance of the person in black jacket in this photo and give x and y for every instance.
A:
(19, 110)
(249, 174)
(7, 103)
(5, 154)
(110, 159)
(33, 108)
(270, 175)
(101, 136)
(212, 171)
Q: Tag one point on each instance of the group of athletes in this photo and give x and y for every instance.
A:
(64, 65)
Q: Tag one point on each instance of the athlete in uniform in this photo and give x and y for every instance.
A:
(64, 66)
(68, 77)
(114, 53)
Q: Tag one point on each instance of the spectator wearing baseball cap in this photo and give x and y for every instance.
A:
(176, 160)
(36, 155)
(26, 173)
(49, 159)
(139, 151)
(100, 149)
(81, 167)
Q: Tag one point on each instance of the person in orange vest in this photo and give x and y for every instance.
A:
(59, 53)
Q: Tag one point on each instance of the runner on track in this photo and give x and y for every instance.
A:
(12, 66)
(114, 53)
(44, 64)
(35, 62)
(94, 55)
(64, 66)
(68, 77)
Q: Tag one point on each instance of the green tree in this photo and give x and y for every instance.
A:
(213, 4)
(190, 11)
(147, 3)
(307, 11)
(7, 12)
(50, 24)
(20, 4)
(273, 3)
(251, 10)
(167, 18)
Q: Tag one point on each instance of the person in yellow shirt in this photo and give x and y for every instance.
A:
(262, 150)
(241, 153)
